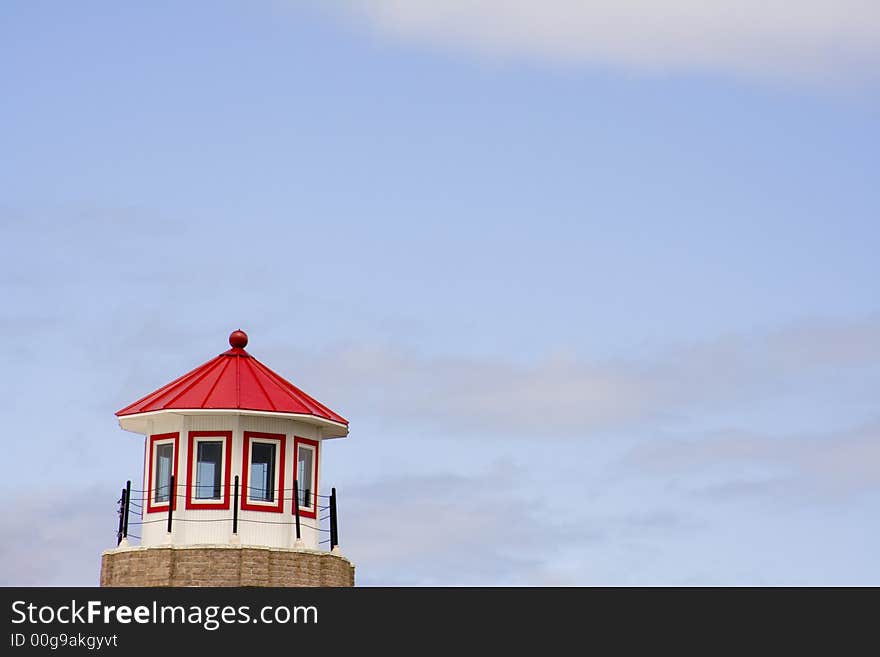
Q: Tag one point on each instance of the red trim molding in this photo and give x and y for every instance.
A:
(246, 504)
(297, 441)
(153, 507)
(194, 503)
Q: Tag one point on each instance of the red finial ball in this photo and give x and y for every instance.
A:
(238, 339)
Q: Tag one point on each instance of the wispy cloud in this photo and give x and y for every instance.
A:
(447, 529)
(803, 467)
(55, 537)
(812, 39)
(438, 529)
(564, 394)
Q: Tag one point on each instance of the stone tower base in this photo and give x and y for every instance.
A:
(223, 565)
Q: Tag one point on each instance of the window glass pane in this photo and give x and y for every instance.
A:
(208, 469)
(304, 460)
(164, 456)
(262, 472)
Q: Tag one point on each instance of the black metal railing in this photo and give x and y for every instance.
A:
(306, 497)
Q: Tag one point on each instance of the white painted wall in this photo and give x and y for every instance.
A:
(189, 527)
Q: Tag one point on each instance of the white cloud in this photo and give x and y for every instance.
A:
(565, 395)
(440, 530)
(765, 38)
(55, 538)
(452, 530)
(803, 467)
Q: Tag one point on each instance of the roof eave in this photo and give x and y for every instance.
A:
(137, 422)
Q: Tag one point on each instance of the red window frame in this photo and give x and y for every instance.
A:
(154, 507)
(314, 444)
(246, 504)
(193, 502)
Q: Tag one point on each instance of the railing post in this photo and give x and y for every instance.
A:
(126, 508)
(296, 506)
(235, 508)
(334, 530)
(172, 498)
(121, 518)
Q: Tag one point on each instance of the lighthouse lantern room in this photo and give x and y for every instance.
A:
(231, 488)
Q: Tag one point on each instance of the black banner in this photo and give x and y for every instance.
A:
(225, 620)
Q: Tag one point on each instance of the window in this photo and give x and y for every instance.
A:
(263, 472)
(307, 475)
(162, 465)
(209, 461)
(208, 473)
(162, 483)
(304, 460)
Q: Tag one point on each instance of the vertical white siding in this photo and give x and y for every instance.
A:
(212, 527)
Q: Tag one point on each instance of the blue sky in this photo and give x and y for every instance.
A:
(601, 304)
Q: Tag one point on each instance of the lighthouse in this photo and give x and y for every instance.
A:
(231, 492)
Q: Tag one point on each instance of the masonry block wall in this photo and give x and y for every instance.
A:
(224, 566)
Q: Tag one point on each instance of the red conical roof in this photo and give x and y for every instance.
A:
(232, 380)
